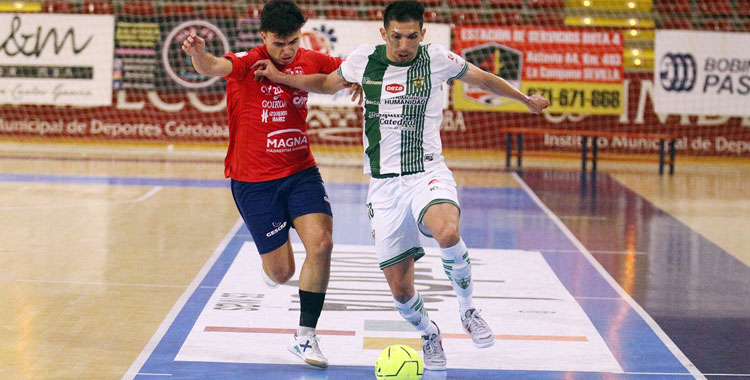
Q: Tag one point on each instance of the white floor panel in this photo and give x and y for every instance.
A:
(538, 323)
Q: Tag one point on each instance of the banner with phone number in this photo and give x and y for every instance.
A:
(578, 71)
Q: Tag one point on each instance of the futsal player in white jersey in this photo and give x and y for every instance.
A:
(411, 189)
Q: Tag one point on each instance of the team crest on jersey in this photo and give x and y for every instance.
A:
(418, 83)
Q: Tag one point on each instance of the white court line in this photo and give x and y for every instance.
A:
(142, 198)
(169, 319)
(595, 252)
(154, 374)
(149, 194)
(607, 277)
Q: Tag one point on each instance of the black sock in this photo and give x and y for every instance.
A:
(311, 305)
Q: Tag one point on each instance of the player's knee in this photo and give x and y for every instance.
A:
(447, 235)
(403, 292)
(281, 275)
(321, 247)
(325, 246)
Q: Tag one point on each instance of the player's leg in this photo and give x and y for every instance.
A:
(264, 213)
(397, 247)
(278, 265)
(437, 205)
(315, 232)
(311, 212)
(410, 306)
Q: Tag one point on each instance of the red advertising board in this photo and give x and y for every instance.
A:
(577, 70)
(189, 117)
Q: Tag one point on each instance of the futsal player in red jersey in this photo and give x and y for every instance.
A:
(275, 181)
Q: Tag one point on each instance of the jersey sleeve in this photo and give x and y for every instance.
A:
(326, 63)
(231, 56)
(448, 64)
(241, 64)
(353, 69)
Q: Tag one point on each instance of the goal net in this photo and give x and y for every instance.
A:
(113, 71)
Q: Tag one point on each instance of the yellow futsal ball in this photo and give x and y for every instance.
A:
(399, 362)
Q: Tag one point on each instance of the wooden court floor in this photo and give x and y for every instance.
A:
(89, 269)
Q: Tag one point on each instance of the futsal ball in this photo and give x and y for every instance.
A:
(399, 362)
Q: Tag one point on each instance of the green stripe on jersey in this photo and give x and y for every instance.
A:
(372, 80)
(418, 84)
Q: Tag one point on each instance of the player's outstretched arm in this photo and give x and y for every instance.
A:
(203, 61)
(478, 77)
(318, 83)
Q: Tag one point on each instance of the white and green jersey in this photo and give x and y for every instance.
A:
(403, 106)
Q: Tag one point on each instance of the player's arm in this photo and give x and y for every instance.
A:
(203, 61)
(478, 77)
(318, 83)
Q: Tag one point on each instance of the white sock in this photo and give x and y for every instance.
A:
(305, 331)
(457, 266)
(413, 311)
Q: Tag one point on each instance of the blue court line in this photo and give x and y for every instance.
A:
(114, 180)
(640, 352)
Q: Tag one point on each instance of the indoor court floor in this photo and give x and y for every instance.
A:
(122, 262)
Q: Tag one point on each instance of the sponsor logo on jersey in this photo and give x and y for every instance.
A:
(435, 184)
(273, 104)
(278, 116)
(286, 140)
(394, 88)
(278, 227)
(299, 101)
(264, 116)
(271, 90)
(297, 70)
(367, 81)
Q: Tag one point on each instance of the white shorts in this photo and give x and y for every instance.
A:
(397, 205)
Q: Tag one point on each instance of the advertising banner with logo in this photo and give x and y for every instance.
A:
(702, 73)
(341, 37)
(149, 56)
(56, 59)
(578, 71)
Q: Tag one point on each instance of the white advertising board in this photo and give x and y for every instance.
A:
(702, 73)
(52, 59)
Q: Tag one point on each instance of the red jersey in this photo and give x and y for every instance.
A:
(267, 125)
(233, 95)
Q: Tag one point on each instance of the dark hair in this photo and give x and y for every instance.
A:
(404, 11)
(282, 17)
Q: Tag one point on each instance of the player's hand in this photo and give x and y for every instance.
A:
(537, 103)
(194, 45)
(266, 69)
(355, 90)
